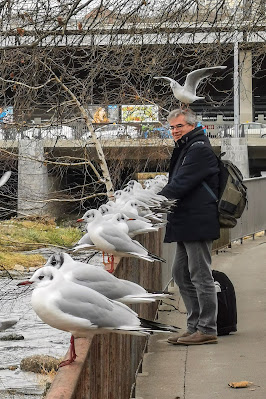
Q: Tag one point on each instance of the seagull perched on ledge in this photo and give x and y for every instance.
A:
(187, 94)
(98, 279)
(67, 306)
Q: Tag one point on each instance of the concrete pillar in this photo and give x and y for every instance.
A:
(236, 150)
(261, 118)
(32, 178)
(246, 99)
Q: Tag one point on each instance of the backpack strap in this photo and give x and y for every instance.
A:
(204, 182)
(209, 190)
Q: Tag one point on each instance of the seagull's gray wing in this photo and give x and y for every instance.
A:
(85, 240)
(87, 304)
(106, 283)
(99, 280)
(121, 242)
(174, 82)
(194, 77)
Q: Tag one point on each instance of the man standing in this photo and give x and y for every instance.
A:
(193, 225)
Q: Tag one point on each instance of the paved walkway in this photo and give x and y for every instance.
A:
(204, 371)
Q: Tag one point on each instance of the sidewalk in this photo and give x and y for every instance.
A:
(204, 371)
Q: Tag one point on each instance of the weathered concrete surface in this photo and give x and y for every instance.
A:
(32, 178)
(203, 372)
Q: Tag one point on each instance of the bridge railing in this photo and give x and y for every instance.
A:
(253, 219)
(125, 131)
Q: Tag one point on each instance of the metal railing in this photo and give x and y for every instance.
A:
(253, 219)
(253, 129)
(131, 131)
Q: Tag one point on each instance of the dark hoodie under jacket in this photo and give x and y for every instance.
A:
(195, 217)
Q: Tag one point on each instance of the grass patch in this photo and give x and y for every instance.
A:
(17, 236)
(9, 260)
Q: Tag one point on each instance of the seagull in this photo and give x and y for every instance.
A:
(80, 310)
(156, 184)
(136, 224)
(98, 279)
(110, 236)
(93, 218)
(187, 94)
(5, 178)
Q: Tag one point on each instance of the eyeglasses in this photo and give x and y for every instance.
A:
(179, 126)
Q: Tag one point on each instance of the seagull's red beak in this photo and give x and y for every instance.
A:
(80, 220)
(27, 282)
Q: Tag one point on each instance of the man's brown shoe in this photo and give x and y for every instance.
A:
(198, 338)
(174, 338)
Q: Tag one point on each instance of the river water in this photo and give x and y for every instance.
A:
(39, 339)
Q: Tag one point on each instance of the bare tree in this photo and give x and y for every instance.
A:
(59, 59)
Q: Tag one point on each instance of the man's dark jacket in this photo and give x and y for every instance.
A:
(195, 218)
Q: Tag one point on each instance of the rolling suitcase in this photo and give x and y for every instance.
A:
(227, 311)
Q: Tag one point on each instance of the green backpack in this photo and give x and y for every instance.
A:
(232, 197)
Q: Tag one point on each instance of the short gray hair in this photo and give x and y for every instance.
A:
(190, 116)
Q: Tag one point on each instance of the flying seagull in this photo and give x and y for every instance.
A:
(187, 94)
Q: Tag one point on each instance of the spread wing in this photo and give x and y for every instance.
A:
(193, 78)
(174, 82)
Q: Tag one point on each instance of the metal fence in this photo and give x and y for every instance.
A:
(131, 131)
(253, 219)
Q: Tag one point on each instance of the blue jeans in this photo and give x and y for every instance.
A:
(192, 273)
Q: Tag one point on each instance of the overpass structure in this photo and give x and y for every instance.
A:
(38, 182)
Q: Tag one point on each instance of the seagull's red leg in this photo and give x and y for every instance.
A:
(72, 353)
(72, 348)
(111, 261)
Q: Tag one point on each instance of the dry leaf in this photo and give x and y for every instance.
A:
(20, 31)
(240, 384)
(79, 26)
(60, 20)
